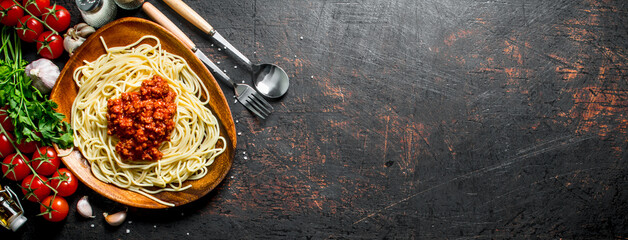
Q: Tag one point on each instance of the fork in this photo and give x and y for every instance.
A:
(244, 93)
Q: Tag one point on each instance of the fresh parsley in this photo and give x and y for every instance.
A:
(30, 111)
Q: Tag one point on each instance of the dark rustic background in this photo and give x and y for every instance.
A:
(445, 119)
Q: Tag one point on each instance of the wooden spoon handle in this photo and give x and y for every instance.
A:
(188, 13)
(160, 18)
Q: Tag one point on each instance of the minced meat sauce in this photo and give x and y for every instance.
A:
(142, 120)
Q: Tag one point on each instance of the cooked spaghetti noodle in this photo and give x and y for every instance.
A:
(194, 142)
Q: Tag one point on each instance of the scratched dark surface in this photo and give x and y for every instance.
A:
(436, 119)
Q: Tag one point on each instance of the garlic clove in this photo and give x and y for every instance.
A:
(84, 31)
(115, 219)
(84, 208)
(81, 25)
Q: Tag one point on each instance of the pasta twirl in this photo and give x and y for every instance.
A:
(194, 143)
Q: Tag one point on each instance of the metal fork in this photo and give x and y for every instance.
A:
(245, 94)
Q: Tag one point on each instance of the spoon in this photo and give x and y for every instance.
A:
(269, 79)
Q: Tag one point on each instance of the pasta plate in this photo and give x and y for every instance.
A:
(120, 33)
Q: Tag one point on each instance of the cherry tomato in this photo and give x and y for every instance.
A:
(34, 188)
(15, 167)
(10, 12)
(49, 45)
(36, 7)
(30, 146)
(5, 119)
(28, 28)
(6, 147)
(45, 161)
(54, 208)
(57, 17)
(64, 182)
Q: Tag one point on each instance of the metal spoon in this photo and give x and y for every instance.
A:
(270, 80)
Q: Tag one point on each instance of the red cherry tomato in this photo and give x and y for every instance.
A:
(15, 167)
(36, 7)
(5, 119)
(57, 17)
(54, 208)
(64, 182)
(28, 29)
(34, 188)
(49, 45)
(28, 146)
(45, 161)
(6, 147)
(11, 12)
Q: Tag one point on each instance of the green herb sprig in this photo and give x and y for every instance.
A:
(30, 111)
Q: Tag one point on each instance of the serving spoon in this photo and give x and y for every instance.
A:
(269, 79)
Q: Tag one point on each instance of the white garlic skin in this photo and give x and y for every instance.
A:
(84, 209)
(43, 73)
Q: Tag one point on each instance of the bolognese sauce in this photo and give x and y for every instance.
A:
(142, 120)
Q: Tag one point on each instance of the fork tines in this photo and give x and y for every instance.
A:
(256, 104)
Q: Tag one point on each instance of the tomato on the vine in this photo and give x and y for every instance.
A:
(10, 12)
(5, 119)
(54, 208)
(45, 161)
(57, 17)
(29, 146)
(34, 188)
(28, 28)
(64, 182)
(15, 167)
(49, 45)
(36, 7)
(6, 147)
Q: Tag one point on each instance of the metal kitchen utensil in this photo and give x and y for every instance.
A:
(244, 93)
(269, 79)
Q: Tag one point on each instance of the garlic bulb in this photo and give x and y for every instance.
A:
(84, 208)
(75, 36)
(44, 74)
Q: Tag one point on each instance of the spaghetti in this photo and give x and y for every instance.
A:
(194, 142)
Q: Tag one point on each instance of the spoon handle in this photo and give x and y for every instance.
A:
(188, 13)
